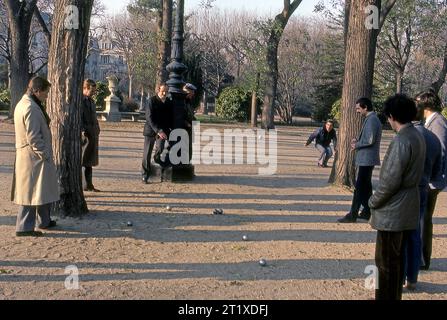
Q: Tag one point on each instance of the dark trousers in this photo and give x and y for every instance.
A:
(390, 260)
(413, 250)
(363, 190)
(26, 217)
(149, 142)
(427, 227)
(87, 177)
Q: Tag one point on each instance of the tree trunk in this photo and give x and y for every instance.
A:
(68, 51)
(346, 21)
(142, 99)
(205, 102)
(20, 15)
(254, 105)
(358, 79)
(442, 74)
(130, 86)
(164, 42)
(271, 85)
(399, 80)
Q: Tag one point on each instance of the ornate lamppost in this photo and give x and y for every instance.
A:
(176, 69)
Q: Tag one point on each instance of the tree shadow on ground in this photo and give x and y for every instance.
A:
(174, 228)
(243, 271)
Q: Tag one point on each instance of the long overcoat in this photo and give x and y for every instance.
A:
(90, 128)
(35, 179)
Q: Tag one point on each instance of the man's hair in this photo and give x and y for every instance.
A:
(365, 103)
(402, 108)
(89, 83)
(428, 99)
(329, 121)
(163, 84)
(38, 84)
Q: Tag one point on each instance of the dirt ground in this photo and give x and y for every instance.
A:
(189, 253)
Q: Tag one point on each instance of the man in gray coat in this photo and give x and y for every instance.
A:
(436, 123)
(367, 148)
(35, 186)
(395, 203)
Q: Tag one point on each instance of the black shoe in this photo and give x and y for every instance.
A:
(92, 188)
(51, 225)
(365, 215)
(29, 234)
(347, 219)
(145, 180)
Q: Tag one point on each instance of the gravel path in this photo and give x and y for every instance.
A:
(189, 253)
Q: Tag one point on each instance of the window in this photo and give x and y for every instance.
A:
(105, 59)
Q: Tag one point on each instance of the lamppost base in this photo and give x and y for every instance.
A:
(183, 173)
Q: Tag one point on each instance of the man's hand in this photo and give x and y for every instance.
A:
(353, 142)
(163, 135)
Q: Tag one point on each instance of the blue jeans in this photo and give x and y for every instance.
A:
(326, 154)
(413, 250)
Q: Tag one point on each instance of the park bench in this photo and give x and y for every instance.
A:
(134, 116)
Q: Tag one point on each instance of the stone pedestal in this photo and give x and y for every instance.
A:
(182, 173)
(113, 108)
(113, 102)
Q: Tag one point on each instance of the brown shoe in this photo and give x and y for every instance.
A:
(29, 234)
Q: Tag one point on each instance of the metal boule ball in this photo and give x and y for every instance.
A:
(168, 208)
(129, 223)
(262, 263)
(245, 238)
(220, 211)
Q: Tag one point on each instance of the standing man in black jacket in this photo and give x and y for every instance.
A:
(90, 134)
(157, 127)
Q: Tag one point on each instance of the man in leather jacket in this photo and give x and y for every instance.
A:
(395, 202)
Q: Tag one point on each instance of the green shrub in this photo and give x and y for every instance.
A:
(233, 103)
(444, 112)
(5, 98)
(102, 92)
(130, 105)
(336, 110)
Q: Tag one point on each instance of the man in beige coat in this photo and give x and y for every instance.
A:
(35, 184)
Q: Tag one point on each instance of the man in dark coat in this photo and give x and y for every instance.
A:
(432, 172)
(323, 137)
(395, 203)
(157, 128)
(90, 134)
(436, 123)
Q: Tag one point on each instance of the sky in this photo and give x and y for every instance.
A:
(264, 7)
